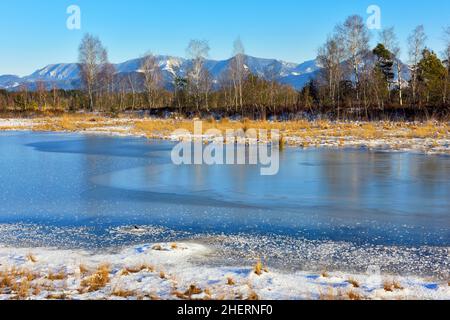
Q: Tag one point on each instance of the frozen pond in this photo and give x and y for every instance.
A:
(90, 191)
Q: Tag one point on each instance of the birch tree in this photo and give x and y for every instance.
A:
(198, 76)
(330, 57)
(152, 78)
(355, 38)
(91, 57)
(238, 72)
(416, 42)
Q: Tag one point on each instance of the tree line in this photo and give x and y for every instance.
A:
(355, 82)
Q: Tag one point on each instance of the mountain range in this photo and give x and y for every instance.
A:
(67, 75)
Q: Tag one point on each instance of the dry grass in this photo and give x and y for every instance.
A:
(253, 296)
(17, 281)
(353, 282)
(98, 280)
(193, 290)
(325, 274)
(31, 258)
(353, 295)
(187, 295)
(57, 296)
(139, 268)
(391, 286)
(331, 294)
(61, 275)
(259, 269)
(123, 293)
(310, 133)
(230, 281)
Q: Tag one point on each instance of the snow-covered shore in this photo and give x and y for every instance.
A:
(405, 137)
(167, 271)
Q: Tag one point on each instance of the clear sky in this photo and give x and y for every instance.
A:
(34, 34)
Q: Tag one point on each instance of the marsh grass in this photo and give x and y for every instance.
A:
(353, 295)
(325, 274)
(259, 268)
(123, 293)
(353, 282)
(253, 296)
(98, 280)
(306, 133)
(391, 286)
(61, 275)
(17, 281)
(139, 268)
(31, 258)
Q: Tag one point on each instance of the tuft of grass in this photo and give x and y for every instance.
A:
(325, 274)
(98, 280)
(353, 282)
(118, 292)
(192, 290)
(56, 276)
(31, 258)
(391, 286)
(139, 268)
(22, 288)
(57, 296)
(253, 296)
(353, 295)
(258, 269)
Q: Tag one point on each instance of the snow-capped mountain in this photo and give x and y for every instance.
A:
(67, 75)
(9, 81)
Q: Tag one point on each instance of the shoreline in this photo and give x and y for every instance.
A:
(430, 138)
(165, 271)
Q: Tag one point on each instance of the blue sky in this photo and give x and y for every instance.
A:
(34, 33)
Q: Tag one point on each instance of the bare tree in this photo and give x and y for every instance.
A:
(355, 38)
(330, 57)
(238, 72)
(416, 46)
(91, 58)
(152, 78)
(41, 91)
(198, 77)
(446, 55)
(106, 80)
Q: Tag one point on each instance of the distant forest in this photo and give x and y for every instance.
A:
(355, 82)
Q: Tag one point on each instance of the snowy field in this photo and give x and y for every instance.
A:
(167, 271)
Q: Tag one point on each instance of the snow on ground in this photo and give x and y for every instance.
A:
(6, 124)
(126, 127)
(166, 271)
